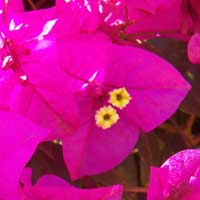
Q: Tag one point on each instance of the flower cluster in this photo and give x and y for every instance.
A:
(66, 75)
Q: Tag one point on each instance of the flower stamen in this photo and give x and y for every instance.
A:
(106, 117)
(119, 98)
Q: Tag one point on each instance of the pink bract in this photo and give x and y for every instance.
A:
(139, 19)
(68, 80)
(54, 188)
(25, 40)
(194, 48)
(13, 6)
(90, 64)
(191, 15)
(85, 14)
(19, 139)
(166, 20)
(154, 99)
(191, 19)
(177, 179)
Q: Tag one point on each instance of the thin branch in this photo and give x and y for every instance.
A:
(168, 128)
(46, 152)
(186, 137)
(196, 140)
(32, 4)
(189, 123)
(136, 189)
(153, 33)
(40, 3)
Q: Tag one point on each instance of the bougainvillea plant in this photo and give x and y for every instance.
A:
(81, 81)
(104, 87)
(16, 152)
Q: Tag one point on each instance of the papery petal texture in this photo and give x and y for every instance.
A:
(67, 81)
(194, 48)
(140, 19)
(93, 151)
(24, 29)
(86, 140)
(28, 49)
(13, 6)
(87, 14)
(59, 191)
(50, 82)
(7, 83)
(165, 20)
(19, 139)
(157, 184)
(156, 87)
(52, 187)
(178, 177)
(25, 100)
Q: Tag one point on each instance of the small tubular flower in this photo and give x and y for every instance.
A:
(106, 116)
(119, 98)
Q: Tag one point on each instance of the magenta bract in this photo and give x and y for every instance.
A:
(191, 15)
(54, 188)
(19, 139)
(178, 177)
(90, 66)
(68, 77)
(23, 44)
(194, 48)
(154, 99)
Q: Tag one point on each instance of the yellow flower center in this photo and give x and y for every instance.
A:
(119, 98)
(106, 116)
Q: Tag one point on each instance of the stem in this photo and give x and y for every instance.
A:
(153, 33)
(138, 169)
(136, 189)
(189, 124)
(46, 152)
(41, 3)
(32, 4)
